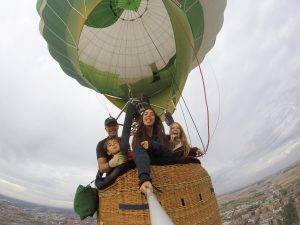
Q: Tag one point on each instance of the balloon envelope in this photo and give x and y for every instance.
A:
(124, 48)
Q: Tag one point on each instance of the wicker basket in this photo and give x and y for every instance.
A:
(187, 196)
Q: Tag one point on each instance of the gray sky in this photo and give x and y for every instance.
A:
(50, 125)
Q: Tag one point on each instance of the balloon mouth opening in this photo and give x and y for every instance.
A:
(129, 10)
(132, 5)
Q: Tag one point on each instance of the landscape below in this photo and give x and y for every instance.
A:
(268, 202)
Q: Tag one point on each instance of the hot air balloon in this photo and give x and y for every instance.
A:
(127, 48)
(124, 48)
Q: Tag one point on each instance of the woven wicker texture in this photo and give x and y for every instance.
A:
(187, 196)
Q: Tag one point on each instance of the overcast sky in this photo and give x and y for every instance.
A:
(50, 125)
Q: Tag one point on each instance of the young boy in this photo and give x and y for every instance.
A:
(112, 146)
(118, 165)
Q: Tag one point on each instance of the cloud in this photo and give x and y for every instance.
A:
(50, 125)
(248, 172)
(256, 63)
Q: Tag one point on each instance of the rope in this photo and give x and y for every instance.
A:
(187, 128)
(219, 101)
(192, 118)
(102, 102)
(203, 83)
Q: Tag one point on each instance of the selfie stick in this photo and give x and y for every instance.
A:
(158, 215)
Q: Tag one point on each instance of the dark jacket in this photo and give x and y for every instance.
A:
(157, 154)
(179, 152)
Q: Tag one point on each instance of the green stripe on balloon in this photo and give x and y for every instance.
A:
(104, 15)
(184, 53)
(194, 12)
(132, 5)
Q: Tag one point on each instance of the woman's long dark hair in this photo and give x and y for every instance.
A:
(141, 132)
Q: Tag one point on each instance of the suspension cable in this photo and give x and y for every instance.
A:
(202, 78)
(102, 102)
(219, 100)
(186, 125)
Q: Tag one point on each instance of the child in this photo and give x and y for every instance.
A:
(179, 144)
(118, 165)
(112, 146)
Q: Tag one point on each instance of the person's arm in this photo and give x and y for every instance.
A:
(117, 160)
(103, 165)
(124, 145)
(154, 145)
(178, 151)
(158, 147)
(196, 152)
(193, 152)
